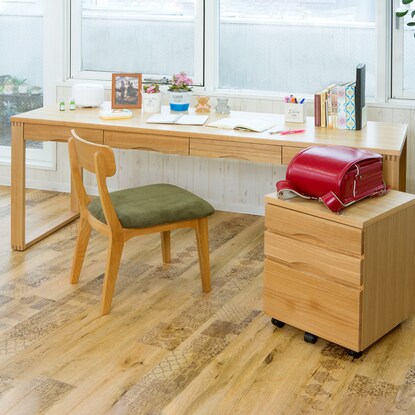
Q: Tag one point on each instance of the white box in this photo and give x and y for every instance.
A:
(88, 94)
(294, 112)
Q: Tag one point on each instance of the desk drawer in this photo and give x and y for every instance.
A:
(314, 230)
(313, 259)
(150, 142)
(262, 153)
(39, 132)
(289, 152)
(321, 307)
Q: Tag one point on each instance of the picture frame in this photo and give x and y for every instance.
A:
(126, 90)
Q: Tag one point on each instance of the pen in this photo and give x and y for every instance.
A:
(302, 101)
(286, 132)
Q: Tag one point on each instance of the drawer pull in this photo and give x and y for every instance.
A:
(234, 157)
(302, 266)
(309, 238)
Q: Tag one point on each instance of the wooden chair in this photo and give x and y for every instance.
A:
(123, 214)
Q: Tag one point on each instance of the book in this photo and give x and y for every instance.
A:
(346, 112)
(361, 110)
(182, 119)
(115, 114)
(256, 125)
(323, 105)
(317, 109)
(331, 106)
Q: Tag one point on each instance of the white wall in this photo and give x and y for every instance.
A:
(230, 185)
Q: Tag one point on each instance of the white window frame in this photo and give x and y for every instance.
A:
(76, 71)
(398, 24)
(44, 158)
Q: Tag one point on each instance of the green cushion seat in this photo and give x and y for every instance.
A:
(153, 205)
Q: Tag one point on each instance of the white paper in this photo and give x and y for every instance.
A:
(187, 119)
(255, 124)
(164, 118)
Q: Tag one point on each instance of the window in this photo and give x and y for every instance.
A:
(21, 74)
(152, 37)
(295, 46)
(403, 58)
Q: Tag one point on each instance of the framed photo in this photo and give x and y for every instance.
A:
(126, 90)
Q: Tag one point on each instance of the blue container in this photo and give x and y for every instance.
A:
(179, 107)
(179, 100)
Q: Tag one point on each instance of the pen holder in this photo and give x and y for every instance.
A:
(294, 112)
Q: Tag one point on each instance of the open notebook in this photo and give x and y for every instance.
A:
(182, 119)
(256, 124)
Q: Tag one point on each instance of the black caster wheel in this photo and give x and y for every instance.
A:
(354, 354)
(310, 338)
(277, 323)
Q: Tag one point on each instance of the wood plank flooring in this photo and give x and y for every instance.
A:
(167, 347)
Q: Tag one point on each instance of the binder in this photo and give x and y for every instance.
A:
(360, 100)
(346, 103)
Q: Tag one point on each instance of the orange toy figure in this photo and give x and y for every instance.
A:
(202, 104)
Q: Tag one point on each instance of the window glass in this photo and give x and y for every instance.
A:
(21, 66)
(295, 46)
(150, 37)
(409, 59)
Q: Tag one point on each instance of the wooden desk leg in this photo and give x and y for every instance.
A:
(19, 240)
(18, 184)
(394, 172)
(402, 169)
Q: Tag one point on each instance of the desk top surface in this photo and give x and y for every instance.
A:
(359, 215)
(386, 138)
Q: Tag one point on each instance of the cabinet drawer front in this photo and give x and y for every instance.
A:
(149, 142)
(314, 230)
(313, 259)
(321, 307)
(262, 153)
(39, 132)
(289, 152)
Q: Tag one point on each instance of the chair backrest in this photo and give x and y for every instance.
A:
(98, 159)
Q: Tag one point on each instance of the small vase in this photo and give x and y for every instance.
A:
(152, 102)
(179, 100)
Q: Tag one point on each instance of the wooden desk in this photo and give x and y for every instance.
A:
(49, 124)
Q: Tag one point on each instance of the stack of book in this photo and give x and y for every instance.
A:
(342, 106)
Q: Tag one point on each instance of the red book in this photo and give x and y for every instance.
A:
(317, 109)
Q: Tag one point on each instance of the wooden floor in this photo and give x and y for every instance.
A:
(166, 347)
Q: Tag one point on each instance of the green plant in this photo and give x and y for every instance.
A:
(9, 109)
(17, 81)
(406, 9)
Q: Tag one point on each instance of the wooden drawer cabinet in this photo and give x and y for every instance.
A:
(40, 132)
(261, 153)
(149, 142)
(319, 232)
(347, 278)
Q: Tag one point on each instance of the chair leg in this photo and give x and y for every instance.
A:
(202, 239)
(82, 239)
(111, 272)
(165, 246)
